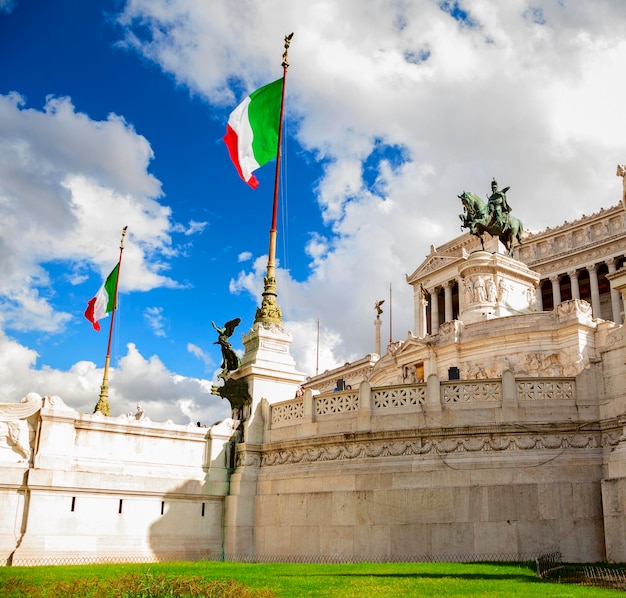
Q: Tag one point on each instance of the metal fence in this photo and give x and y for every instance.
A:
(487, 557)
(551, 567)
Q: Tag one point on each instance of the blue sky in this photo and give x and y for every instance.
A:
(112, 114)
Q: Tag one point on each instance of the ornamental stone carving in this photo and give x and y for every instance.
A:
(17, 430)
(476, 443)
(574, 308)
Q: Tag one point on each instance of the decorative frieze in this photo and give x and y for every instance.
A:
(565, 363)
(494, 286)
(591, 238)
(458, 443)
(573, 309)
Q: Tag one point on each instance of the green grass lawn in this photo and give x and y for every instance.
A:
(240, 580)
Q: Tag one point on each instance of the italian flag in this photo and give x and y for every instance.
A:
(252, 131)
(104, 301)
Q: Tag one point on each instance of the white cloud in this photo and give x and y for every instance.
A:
(156, 321)
(135, 379)
(192, 228)
(201, 355)
(529, 95)
(69, 185)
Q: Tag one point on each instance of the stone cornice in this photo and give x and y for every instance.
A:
(611, 247)
(444, 441)
(584, 220)
(574, 244)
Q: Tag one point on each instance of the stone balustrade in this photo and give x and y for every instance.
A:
(434, 395)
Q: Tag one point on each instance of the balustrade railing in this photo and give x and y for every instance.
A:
(411, 398)
(471, 391)
(398, 396)
(551, 390)
(287, 411)
(338, 402)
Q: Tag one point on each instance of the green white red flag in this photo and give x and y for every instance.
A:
(252, 131)
(104, 301)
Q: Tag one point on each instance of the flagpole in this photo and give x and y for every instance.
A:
(269, 312)
(103, 402)
(317, 358)
(390, 316)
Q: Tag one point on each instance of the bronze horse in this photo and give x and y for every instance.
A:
(479, 219)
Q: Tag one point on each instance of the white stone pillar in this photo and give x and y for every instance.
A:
(618, 282)
(616, 300)
(556, 290)
(377, 324)
(595, 291)
(447, 289)
(434, 310)
(573, 277)
(422, 329)
(539, 295)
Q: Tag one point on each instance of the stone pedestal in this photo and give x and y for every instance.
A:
(268, 368)
(495, 286)
(270, 372)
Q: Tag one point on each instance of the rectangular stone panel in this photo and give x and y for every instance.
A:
(371, 541)
(410, 540)
(336, 540)
(351, 508)
(452, 539)
(388, 506)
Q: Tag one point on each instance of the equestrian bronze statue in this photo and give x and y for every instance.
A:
(493, 217)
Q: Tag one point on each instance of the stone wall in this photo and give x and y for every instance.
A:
(98, 488)
(439, 506)
(500, 468)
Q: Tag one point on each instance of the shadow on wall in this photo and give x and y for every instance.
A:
(189, 520)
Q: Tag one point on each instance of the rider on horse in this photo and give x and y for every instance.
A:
(493, 217)
(498, 206)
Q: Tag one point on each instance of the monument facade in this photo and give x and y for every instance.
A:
(495, 430)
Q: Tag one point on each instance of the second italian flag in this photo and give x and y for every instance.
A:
(104, 301)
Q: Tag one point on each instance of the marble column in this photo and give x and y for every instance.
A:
(447, 288)
(434, 310)
(618, 282)
(595, 291)
(556, 290)
(616, 298)
(539, 294)
(422, 326)
(377, 325)
(573, 277)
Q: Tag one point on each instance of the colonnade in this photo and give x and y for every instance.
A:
(588, 282)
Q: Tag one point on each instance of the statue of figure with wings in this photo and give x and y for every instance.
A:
(378, 308)
(230, 361)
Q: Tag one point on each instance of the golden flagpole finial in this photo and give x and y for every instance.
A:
(285, 63)
(123, 235)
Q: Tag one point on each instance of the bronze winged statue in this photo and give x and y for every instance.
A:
(230, 361)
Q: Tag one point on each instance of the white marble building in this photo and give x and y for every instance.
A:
(494, 431)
